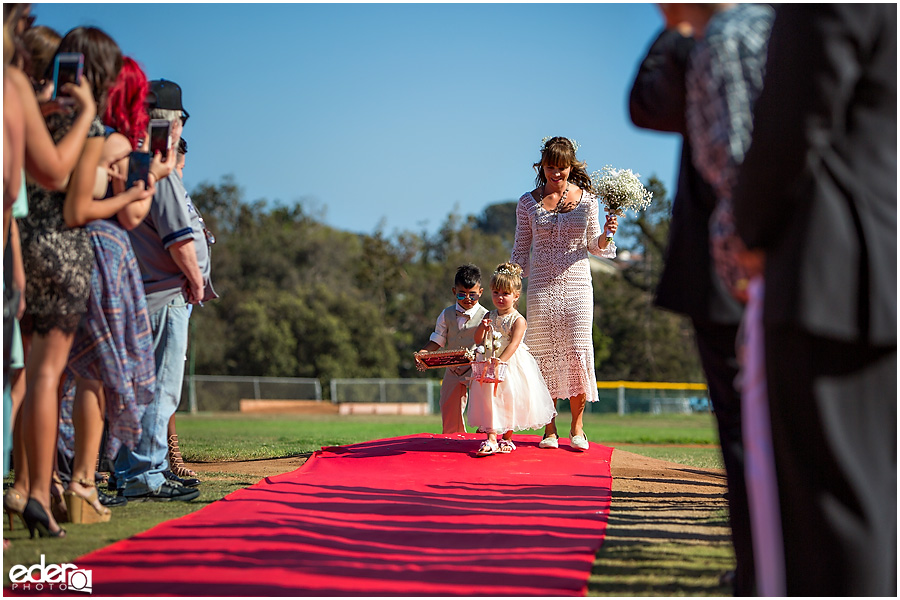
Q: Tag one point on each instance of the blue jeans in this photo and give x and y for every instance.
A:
(142, 469)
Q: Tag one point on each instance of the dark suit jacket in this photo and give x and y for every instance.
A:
(818, 187)
(688, 284)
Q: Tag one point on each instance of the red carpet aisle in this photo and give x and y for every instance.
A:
(409, 516)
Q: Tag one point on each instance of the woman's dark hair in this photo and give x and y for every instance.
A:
(42, 43)
(102, 59)
(560, 152)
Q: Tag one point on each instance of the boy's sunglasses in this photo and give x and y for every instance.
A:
(470, 296)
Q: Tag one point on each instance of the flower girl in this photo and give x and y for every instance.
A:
(507, 392)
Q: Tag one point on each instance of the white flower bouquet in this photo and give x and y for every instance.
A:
(620, 190)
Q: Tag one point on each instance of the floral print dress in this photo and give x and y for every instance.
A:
(58, 259)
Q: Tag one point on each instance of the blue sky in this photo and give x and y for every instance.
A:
(391, 116)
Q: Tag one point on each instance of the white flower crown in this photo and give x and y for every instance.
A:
(575, 145)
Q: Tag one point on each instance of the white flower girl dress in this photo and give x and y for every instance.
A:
(522, 400)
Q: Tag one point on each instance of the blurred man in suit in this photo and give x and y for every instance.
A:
(818, 194)
(689, 284)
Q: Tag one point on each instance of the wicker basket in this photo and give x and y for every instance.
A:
(439, 359)
(488, 371)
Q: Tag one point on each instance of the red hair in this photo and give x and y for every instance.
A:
(126, 104)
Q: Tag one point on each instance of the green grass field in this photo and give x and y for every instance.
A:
(687, 439)
(223, 437)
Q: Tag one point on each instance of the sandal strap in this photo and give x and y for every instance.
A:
(174, 450)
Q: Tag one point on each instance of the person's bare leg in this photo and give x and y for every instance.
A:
(20, 457)
(87, 417)
(550, 428)
(576, 405)
(46, 362)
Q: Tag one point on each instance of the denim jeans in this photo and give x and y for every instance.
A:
(141, 469)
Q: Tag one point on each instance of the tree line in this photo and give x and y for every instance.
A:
(299, 298)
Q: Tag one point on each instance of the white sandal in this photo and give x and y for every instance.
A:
(487, 448)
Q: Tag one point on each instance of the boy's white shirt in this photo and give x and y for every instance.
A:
(439, 336)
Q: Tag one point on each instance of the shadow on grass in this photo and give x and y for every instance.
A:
(303, 455)
(664, 544)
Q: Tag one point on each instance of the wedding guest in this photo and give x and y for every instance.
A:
(13, 180)
(172, 252)
(14, 350)
(176, 461)
(49, 162)
(561, 212)
(38, 47)
(688, 284)
(821, 173)
(111, 365)
(455, 329)
(181, 158)
(41, 42)
(723, 79)
(58, 260)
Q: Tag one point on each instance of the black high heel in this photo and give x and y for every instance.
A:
(35, 517)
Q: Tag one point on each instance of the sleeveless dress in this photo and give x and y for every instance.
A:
(521, 400)
(552, 249)
(114, 341)
(57, 259)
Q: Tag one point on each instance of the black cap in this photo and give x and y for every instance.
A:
(167, 96)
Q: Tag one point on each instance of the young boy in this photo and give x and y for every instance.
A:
(455, 329)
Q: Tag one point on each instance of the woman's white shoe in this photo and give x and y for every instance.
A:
(550, 441)
(580, 442)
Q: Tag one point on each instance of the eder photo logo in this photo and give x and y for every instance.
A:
(50, 578)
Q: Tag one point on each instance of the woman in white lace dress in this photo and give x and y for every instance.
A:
(557, 226)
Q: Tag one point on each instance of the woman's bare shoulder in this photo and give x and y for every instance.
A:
(116, 146)
(17, 77)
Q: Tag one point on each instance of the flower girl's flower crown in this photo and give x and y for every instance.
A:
(505, 271)
(575, 145)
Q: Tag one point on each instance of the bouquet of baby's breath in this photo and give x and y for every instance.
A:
(620, 190)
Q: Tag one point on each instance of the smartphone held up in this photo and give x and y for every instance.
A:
(160, 137)
(138, 169)
(67, 68)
